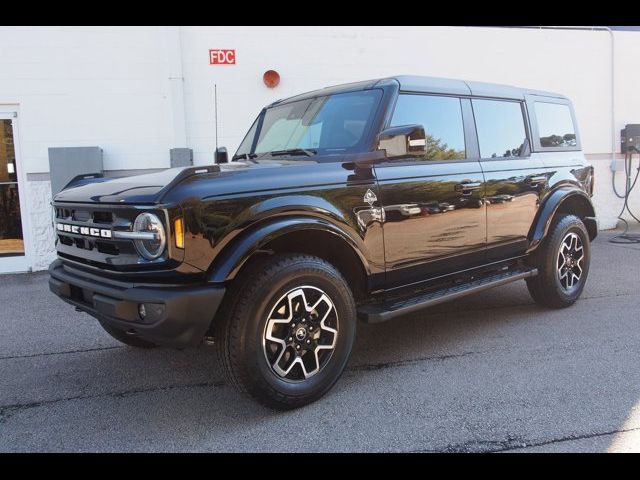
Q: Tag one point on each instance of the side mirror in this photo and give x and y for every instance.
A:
(221, 155)
(403, 141)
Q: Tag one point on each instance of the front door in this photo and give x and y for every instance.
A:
(12, 245)
(434, 214)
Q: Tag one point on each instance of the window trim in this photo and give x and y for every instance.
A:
(469, 146)
(525, 121)
(535, 133)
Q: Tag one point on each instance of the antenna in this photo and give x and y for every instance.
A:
(215, 96)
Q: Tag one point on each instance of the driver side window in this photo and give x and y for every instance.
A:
(441, 118)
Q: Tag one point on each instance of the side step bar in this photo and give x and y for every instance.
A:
(383, 311)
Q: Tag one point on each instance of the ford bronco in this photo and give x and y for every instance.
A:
(363, 201)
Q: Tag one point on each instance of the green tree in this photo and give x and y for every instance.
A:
(437, 150)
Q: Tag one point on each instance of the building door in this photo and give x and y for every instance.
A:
(13, 256)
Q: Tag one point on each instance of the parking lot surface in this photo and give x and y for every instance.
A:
(490, 372)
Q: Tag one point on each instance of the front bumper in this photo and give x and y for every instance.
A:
(186, 315)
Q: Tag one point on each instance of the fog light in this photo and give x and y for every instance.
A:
(151, 312)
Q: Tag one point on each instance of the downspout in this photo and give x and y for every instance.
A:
(613, 101)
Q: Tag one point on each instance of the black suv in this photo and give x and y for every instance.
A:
(362, 201)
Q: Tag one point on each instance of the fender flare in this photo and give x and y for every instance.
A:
(550, 207)
(234, 255)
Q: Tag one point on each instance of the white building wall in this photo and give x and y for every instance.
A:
(575, 63)
(119, 87)
(84, 86)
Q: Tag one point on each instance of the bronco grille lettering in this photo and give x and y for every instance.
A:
(87, 231)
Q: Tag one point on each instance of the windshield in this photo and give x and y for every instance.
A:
(329, 124)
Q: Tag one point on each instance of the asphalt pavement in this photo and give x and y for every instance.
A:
(490, 372)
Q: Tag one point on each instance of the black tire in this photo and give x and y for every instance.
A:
(130, 340)
(242, 343)
(548, 288)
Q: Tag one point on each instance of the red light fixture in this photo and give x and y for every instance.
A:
(271, 78)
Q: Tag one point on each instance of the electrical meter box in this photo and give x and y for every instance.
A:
(66, 163)
(630, 138)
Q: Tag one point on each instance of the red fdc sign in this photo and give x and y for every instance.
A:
(222, 57)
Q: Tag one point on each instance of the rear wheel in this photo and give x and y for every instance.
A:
(562, 262)
(286, 334)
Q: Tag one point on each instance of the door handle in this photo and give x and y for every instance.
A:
(538, 180)
(467, 188)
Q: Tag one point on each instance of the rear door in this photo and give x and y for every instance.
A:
(434, 215)
(515, 179)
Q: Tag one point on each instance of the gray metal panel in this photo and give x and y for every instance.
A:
(66, 163)
(415, 83)
(181, 157)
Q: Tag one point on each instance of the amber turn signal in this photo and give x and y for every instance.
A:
(179, 229)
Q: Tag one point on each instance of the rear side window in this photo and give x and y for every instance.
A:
(555, 125)
(500, 127)
(441, 118)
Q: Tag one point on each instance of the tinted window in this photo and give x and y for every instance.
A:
(332, 123)
(441, 118)
(500, 127)
(555, 125)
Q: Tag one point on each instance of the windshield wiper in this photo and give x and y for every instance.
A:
(293, 151)
(244, 156)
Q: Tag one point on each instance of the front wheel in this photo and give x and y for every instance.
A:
(562, 262)
(287, 332)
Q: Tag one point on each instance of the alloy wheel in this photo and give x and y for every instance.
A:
(569, 262)
(300, 333)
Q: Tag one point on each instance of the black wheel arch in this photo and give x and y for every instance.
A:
(300, 234)
(565, 199)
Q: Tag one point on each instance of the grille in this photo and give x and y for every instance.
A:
(84, 247)
(81, 215)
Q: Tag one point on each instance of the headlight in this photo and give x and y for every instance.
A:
(153, 247)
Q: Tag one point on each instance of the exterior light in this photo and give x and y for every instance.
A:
(151, 312)
(179, 229)
(149, 224)
(271, 78)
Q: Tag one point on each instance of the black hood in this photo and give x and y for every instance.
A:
(141, 189)
(234, 177)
